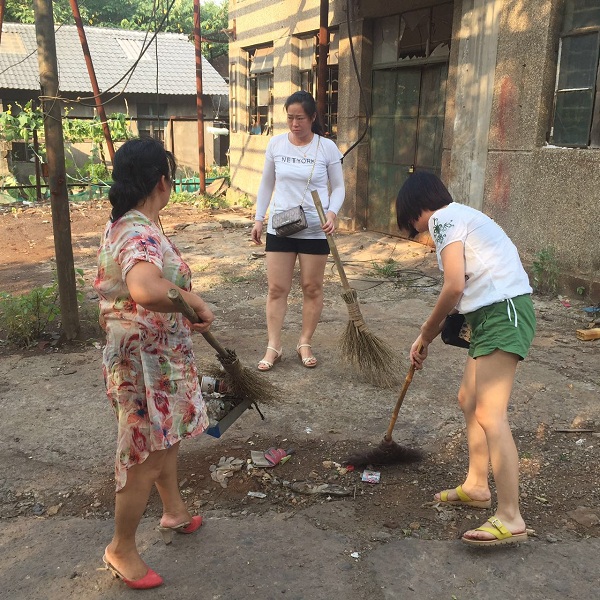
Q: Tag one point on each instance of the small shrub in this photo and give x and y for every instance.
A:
(545, 271)
(388, 269)
(25, 318)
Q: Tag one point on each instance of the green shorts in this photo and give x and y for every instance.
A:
(508, 325)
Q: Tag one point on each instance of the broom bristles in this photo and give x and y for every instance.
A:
(387, 453)
(374, 360)
(244, 383)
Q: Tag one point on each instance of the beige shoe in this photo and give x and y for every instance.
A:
(310, 362)
(265, 365)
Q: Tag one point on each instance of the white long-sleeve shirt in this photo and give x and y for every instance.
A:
(286, 171)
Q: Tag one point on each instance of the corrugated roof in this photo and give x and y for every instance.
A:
(112, 52)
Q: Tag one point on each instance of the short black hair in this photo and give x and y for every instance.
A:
(421, 191)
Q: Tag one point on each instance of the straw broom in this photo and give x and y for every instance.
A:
(374, 360)
(243, 382)
(389, 452)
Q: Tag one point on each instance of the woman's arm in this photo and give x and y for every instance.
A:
(263, 198)
(338, 190)
(453, 261)
(149, 288)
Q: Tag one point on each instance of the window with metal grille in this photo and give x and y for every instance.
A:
(260, 91)
(576, 120)
(151, 120)
(308, 65)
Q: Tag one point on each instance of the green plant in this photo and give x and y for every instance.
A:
(388, 269)
(581, 290)
(24, 318)
(545, 271)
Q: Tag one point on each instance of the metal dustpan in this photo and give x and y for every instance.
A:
(218, 428)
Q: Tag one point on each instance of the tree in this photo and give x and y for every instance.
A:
(141, 15)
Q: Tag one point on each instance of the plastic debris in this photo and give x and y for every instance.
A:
(225, 469)
(256, 494)
(371, 476)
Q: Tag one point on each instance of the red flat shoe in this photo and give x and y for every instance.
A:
(150, 580)
(188, 527)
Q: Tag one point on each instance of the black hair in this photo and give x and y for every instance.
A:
(138, 166)
(309, 106)
(421, 191)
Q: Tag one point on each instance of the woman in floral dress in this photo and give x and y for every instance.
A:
(148, 363)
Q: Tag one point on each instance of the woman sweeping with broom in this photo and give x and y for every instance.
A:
(148, 361)
(484, 280)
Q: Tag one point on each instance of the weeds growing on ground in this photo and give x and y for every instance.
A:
(545, 271)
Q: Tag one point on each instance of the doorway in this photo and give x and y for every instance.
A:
(407, 127)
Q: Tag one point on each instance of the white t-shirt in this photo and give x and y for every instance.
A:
(493, 269)
(286, 171)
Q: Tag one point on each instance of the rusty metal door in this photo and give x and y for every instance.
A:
(407, 124)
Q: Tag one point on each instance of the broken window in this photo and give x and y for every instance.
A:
(308, 65)
(260, 91)
(415, 34)
(576, 121)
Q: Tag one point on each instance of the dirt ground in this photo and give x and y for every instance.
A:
(59, 431)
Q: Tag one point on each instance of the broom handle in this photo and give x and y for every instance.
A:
(190, 314)
(331, 241)
(407, 381)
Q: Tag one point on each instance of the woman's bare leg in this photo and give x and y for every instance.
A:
(280, 272)
(130, 504)
(312, 271)
(175, 511)
(494, 380)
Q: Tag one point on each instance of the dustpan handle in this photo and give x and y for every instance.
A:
(407, 382)
(190, 314)
(331, 241)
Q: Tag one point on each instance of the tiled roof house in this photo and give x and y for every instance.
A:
(162, 86)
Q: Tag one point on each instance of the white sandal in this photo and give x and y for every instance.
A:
(267, 366)
(310, 362)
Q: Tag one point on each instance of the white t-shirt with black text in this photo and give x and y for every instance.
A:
(286, 172)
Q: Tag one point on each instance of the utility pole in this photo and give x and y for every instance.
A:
(57, 177)
(93, 79)
(199, 107)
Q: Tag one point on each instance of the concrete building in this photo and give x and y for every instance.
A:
(500, 97)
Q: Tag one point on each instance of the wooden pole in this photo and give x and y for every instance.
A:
(322, 64)
(199, 107)
(93, 80)
(2, 4)
(57, 177)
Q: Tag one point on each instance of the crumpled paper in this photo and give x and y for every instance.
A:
(225, 469)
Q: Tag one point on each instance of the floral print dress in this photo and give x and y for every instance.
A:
(148, 362)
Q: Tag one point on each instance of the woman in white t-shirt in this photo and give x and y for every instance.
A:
(297, 163)
(485, 281)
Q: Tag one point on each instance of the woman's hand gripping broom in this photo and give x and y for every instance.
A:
(242, 382)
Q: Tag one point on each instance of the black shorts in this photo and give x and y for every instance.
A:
(296, 245)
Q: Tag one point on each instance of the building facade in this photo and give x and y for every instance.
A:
(501, 98)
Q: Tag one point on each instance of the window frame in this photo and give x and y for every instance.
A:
(593, 128)
(257, 83)
(157, 122)
(309, 80)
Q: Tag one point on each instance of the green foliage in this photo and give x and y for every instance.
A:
(24, 318)
(388, 269)
(581, 290)
(545, 271)
(22, 124)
